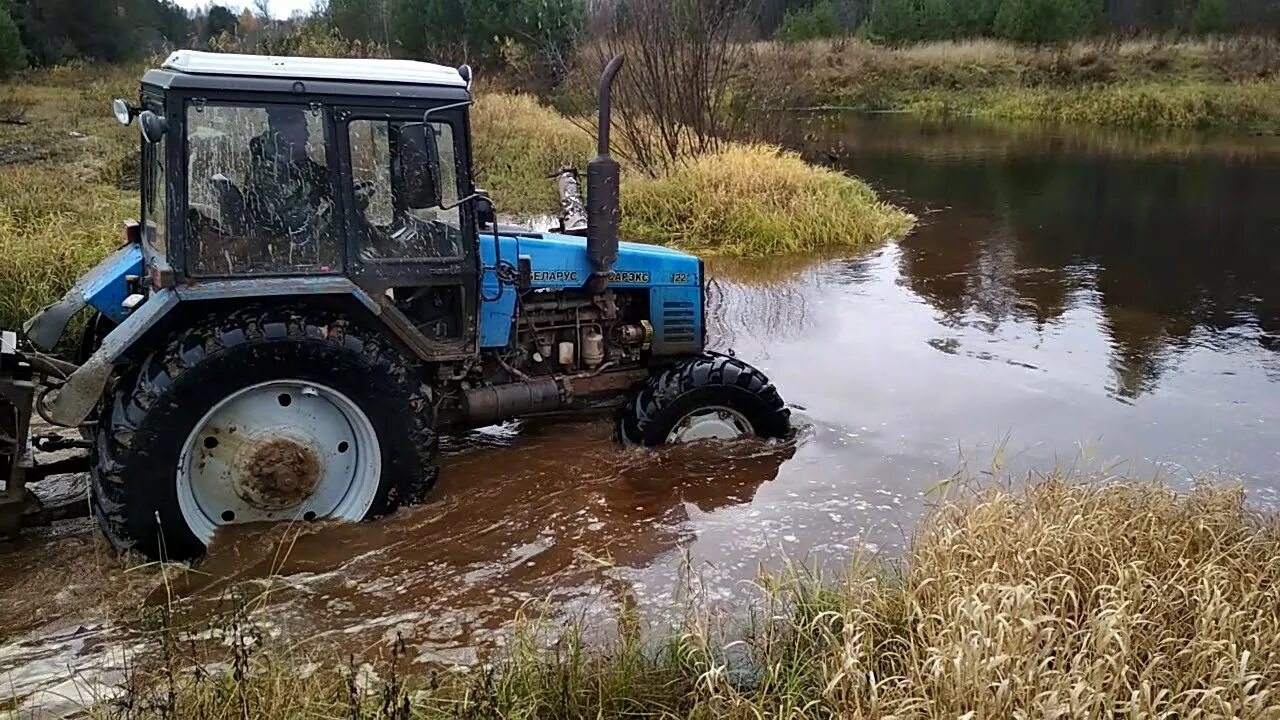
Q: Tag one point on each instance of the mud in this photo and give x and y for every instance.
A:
(1055, 309)
(280, 473)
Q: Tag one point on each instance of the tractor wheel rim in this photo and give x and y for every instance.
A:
(714, 422)
(280, 450)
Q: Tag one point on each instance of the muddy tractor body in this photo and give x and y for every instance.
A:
(316, 290)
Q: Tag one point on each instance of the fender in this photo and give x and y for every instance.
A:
(70, 403)
(102, 288)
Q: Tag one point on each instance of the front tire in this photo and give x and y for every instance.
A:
(709, 396)
(262, 415)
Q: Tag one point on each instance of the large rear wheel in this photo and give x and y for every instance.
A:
(263, 416)
(706, 397)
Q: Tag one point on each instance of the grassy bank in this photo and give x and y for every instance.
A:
(1053, 600)
(67, 169)
(1231, 83)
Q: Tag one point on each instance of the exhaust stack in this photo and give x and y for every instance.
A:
(603, 209)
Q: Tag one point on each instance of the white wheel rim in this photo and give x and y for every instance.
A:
(280, 450)
(714, 422)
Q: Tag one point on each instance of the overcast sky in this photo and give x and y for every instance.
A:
(279, 8)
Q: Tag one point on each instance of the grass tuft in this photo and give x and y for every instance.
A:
(756, 200)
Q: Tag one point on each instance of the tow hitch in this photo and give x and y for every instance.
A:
(19, 385)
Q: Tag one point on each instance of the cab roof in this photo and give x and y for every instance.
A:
(307, 68)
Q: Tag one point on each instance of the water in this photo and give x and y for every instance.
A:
(1066, 302)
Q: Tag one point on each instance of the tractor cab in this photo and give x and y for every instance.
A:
(310, 168)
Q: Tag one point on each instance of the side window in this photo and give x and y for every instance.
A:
(260, 198)
(448, 170)
(153, 191)
(391, 223)
(371, 170)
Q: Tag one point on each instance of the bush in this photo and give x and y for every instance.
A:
(816, 21)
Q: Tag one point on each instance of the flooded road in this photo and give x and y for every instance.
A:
(1064, 303)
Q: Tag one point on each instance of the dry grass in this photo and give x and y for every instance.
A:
(519, 144)
(1052, 600)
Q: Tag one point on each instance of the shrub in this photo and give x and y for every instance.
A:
(756, 200)
(816, 21)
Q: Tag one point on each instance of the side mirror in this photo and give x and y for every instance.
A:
(153, 126)
(484, 210)
(419, 166)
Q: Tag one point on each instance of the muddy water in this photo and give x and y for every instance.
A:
(1067, 301)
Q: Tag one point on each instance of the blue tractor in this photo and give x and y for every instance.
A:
(316, 291)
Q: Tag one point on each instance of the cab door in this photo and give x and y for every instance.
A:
(417, 257)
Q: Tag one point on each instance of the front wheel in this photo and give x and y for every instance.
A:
(706, 397)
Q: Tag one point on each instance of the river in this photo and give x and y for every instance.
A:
(1096, 305)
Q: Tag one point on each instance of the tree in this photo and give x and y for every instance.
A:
(1210, 17)
(1044, 21)
(13, 56)
(894, 21)
(220, 20)
(974, 18)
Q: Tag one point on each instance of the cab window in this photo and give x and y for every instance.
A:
(391, 222)
(259, 191)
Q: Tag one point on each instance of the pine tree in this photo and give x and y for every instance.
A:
(13, 56)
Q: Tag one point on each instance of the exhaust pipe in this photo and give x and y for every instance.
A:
(603, 209)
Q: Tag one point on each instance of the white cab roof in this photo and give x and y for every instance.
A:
(394, 71)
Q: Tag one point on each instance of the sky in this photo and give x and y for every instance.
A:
(279, 8)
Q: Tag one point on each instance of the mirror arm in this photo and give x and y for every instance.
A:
(442, 108)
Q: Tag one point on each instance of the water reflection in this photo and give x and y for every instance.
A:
(1172, 250)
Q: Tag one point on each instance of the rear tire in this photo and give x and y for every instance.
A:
(739, 394)
(136, 492)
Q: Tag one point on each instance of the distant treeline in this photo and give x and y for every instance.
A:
(532, 34)
(1034, 21)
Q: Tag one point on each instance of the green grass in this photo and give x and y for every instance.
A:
(1054, 599)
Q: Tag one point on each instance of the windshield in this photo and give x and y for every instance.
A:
(260, 198)
(393, 222)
